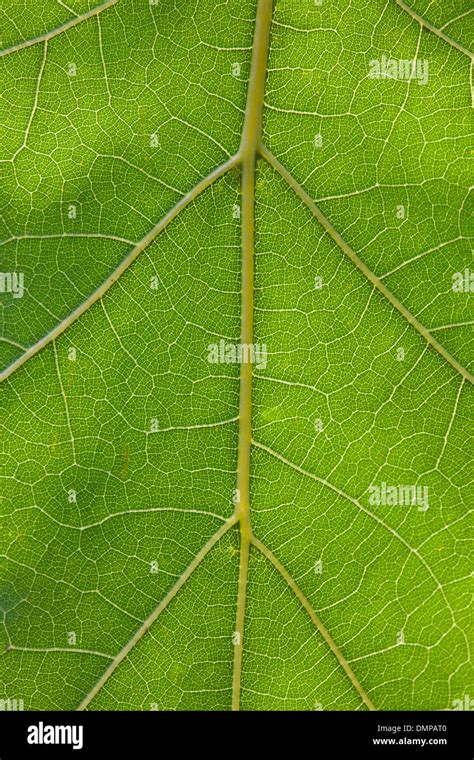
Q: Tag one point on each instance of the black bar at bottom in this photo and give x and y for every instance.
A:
(137, 734)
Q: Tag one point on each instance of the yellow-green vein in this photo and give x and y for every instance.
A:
(251, 136)
(315, 619)
(59, 30)
(376, 281)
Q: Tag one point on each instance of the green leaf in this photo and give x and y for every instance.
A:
(186, 523)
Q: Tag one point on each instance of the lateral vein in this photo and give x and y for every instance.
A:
(376, 281)
(366, 511)
(120, 269)
(59, 30)
(428, 25)
(315, 619)
(118, 659)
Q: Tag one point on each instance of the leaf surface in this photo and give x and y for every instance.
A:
(178, 533)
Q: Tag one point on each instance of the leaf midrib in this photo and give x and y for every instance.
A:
(251, 139)
(250, 149)
(257, 149)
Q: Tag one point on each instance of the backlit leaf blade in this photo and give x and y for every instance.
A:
(182, 527)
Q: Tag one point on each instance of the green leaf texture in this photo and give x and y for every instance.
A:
(288, 530)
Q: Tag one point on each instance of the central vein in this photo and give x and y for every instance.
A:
(251, 138)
